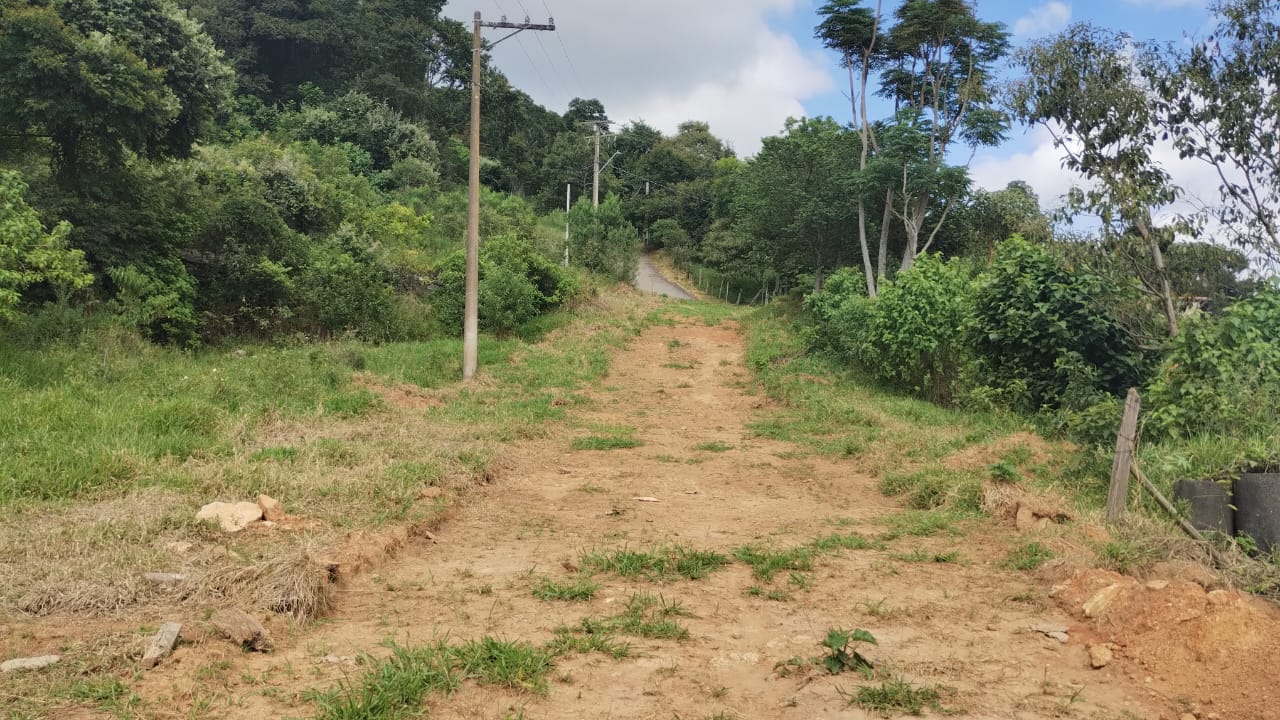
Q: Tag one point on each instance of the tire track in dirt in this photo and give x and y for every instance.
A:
(958, 625)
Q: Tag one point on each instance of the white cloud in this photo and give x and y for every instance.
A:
(665, 61)
(1042, 20)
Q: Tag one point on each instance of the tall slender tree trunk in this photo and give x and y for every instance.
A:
(862, 166)
(882, 269)
(1166, 290)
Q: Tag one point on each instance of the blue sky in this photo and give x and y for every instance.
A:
(747, 65)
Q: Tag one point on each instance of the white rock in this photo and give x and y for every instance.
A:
(31, 663)
(1099, 655)
(1101, 600)
(231, 517)
(271, 508)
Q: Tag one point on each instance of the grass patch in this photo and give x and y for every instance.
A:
(919, 555)
(659, 564)
(646, 615)
(767, 562)
(605, 442)
(896, 695)
(922, 523)
(1029, 556)
(578, 590)
(715, 447)
(518, 665)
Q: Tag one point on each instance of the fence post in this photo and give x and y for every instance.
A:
(1118, 494)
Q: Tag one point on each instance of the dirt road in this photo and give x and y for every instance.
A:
(649, 279)
(959, 627)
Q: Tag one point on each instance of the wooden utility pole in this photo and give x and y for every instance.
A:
(471, 305)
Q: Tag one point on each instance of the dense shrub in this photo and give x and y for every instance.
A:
(602, 240)
(840, 314)
(911, 336)
(30, 255)
(915, 334)
(1040, 336)
(1223, 373)
(516, 285)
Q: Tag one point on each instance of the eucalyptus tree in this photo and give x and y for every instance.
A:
(1083, 86)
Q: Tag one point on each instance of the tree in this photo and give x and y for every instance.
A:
(1081, 87)
(29, 255)
(1221, 104)
(793, 194)
(854, 31)
(939, 74)
(102, 80)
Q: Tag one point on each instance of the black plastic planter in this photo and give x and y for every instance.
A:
(1257, 501)
(1210, 505)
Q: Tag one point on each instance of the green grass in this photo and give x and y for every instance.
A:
(667, 562)
(577, 590)
(396, 687)
(1028, 556)
(646, 615)
(715, 447)
(920, 555)
(896, 695)
(393, 688)
(518, 665)
(766, 562)
(605, 442)
(923, 523)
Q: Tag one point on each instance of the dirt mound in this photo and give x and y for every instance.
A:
(1202, 649)
(1035, 449)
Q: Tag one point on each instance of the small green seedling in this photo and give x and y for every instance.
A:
(841, 653)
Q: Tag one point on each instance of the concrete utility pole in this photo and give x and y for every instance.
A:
(471, 306)
(595, 181)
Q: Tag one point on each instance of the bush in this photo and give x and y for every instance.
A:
(29, 255)
(1223, 374)
(915, 334)
(1040, 336)
(516, 285)
(602, 240)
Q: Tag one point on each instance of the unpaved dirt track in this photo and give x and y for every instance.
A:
(957, 625)
(649, 279)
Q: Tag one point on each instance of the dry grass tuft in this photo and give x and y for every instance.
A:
(294, 584)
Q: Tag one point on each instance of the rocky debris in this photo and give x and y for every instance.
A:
(1157, 584)
(646, 499)
(162, 644)
(1100, 655)
(272, 510)
(31, 663)
(1037, 513)
(164, 578)
(243, 630)
(1052, 631)
(1097, 605)
(231, 517)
